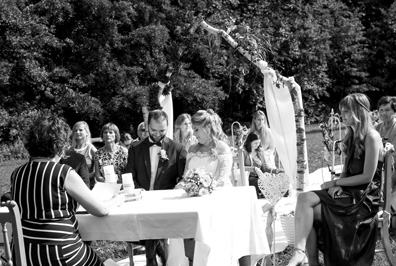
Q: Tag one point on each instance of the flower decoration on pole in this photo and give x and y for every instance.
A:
(197, 182)
(328, 136)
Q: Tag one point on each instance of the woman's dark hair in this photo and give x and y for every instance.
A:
(125, 137)
(385, 100)
(250, 138)
(48, 136)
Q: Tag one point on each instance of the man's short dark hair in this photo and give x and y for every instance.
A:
(387, 99)
(157, 115)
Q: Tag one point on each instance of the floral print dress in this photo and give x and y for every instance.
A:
(118, 159)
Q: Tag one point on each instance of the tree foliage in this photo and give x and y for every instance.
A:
(94, 60)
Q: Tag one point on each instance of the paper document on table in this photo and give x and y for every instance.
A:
(105, 191)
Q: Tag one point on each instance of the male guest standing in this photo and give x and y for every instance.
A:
(156, 163)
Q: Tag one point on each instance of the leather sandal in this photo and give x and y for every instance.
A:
(302, 259)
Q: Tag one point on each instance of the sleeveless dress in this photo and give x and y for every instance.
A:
(219, 165)
(87, 151)
(49, 225)
(348, 231)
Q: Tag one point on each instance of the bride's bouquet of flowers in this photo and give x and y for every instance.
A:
(197, 182)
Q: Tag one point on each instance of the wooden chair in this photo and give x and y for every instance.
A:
(240, 179)
(387, 218)
(12, 216)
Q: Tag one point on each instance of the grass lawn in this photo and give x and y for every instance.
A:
(117, 250)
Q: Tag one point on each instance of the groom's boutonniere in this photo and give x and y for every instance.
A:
(163, 156)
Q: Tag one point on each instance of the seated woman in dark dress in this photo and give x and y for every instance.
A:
(345, 209)
(254, 156)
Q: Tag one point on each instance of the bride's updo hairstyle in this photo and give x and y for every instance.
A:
(211, 122)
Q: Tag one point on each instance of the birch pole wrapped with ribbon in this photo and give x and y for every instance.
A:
(285, 113)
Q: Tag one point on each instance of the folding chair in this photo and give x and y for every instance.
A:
(11, 215)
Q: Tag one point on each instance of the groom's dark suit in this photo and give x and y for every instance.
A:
(168, 173)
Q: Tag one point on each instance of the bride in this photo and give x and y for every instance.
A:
(211, 153)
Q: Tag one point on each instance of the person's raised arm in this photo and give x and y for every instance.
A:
(85, 197)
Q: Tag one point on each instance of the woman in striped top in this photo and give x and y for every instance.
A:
(48, 194)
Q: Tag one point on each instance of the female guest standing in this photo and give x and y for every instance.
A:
(48, 194)
(183, 131)
(111, 153)
(253, 156)
(260, 125)
(345, 209)
(81, 143)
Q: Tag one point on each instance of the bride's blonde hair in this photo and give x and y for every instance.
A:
(211, 122)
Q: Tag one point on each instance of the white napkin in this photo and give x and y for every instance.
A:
(127, 182)
(109, 174)
(105, 191)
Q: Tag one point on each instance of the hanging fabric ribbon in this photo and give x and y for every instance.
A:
(281, 118)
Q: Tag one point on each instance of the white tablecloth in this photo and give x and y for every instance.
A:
(226, 224)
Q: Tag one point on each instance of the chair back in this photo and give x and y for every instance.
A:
(240, 172)
(9, 213)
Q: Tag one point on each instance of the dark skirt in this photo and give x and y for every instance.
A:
(348, 231)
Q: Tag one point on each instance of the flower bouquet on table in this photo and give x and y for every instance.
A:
(198, 182)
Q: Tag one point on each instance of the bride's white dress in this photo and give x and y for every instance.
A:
(219, 165)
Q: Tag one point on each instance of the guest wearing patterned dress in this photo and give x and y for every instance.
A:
(81, 143)
(111, 153)
(48, 194)
(183, 131)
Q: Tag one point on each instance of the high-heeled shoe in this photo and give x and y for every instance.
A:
(301, 261)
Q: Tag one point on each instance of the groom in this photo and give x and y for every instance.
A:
(156, 162)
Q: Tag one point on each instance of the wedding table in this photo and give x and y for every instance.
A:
(226, 225)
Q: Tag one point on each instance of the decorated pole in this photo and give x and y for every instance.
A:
(295, 92)
(155, 91)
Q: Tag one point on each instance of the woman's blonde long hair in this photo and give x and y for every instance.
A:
(264, 131)
(86, 128)
(178, 134)
(359, 106)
